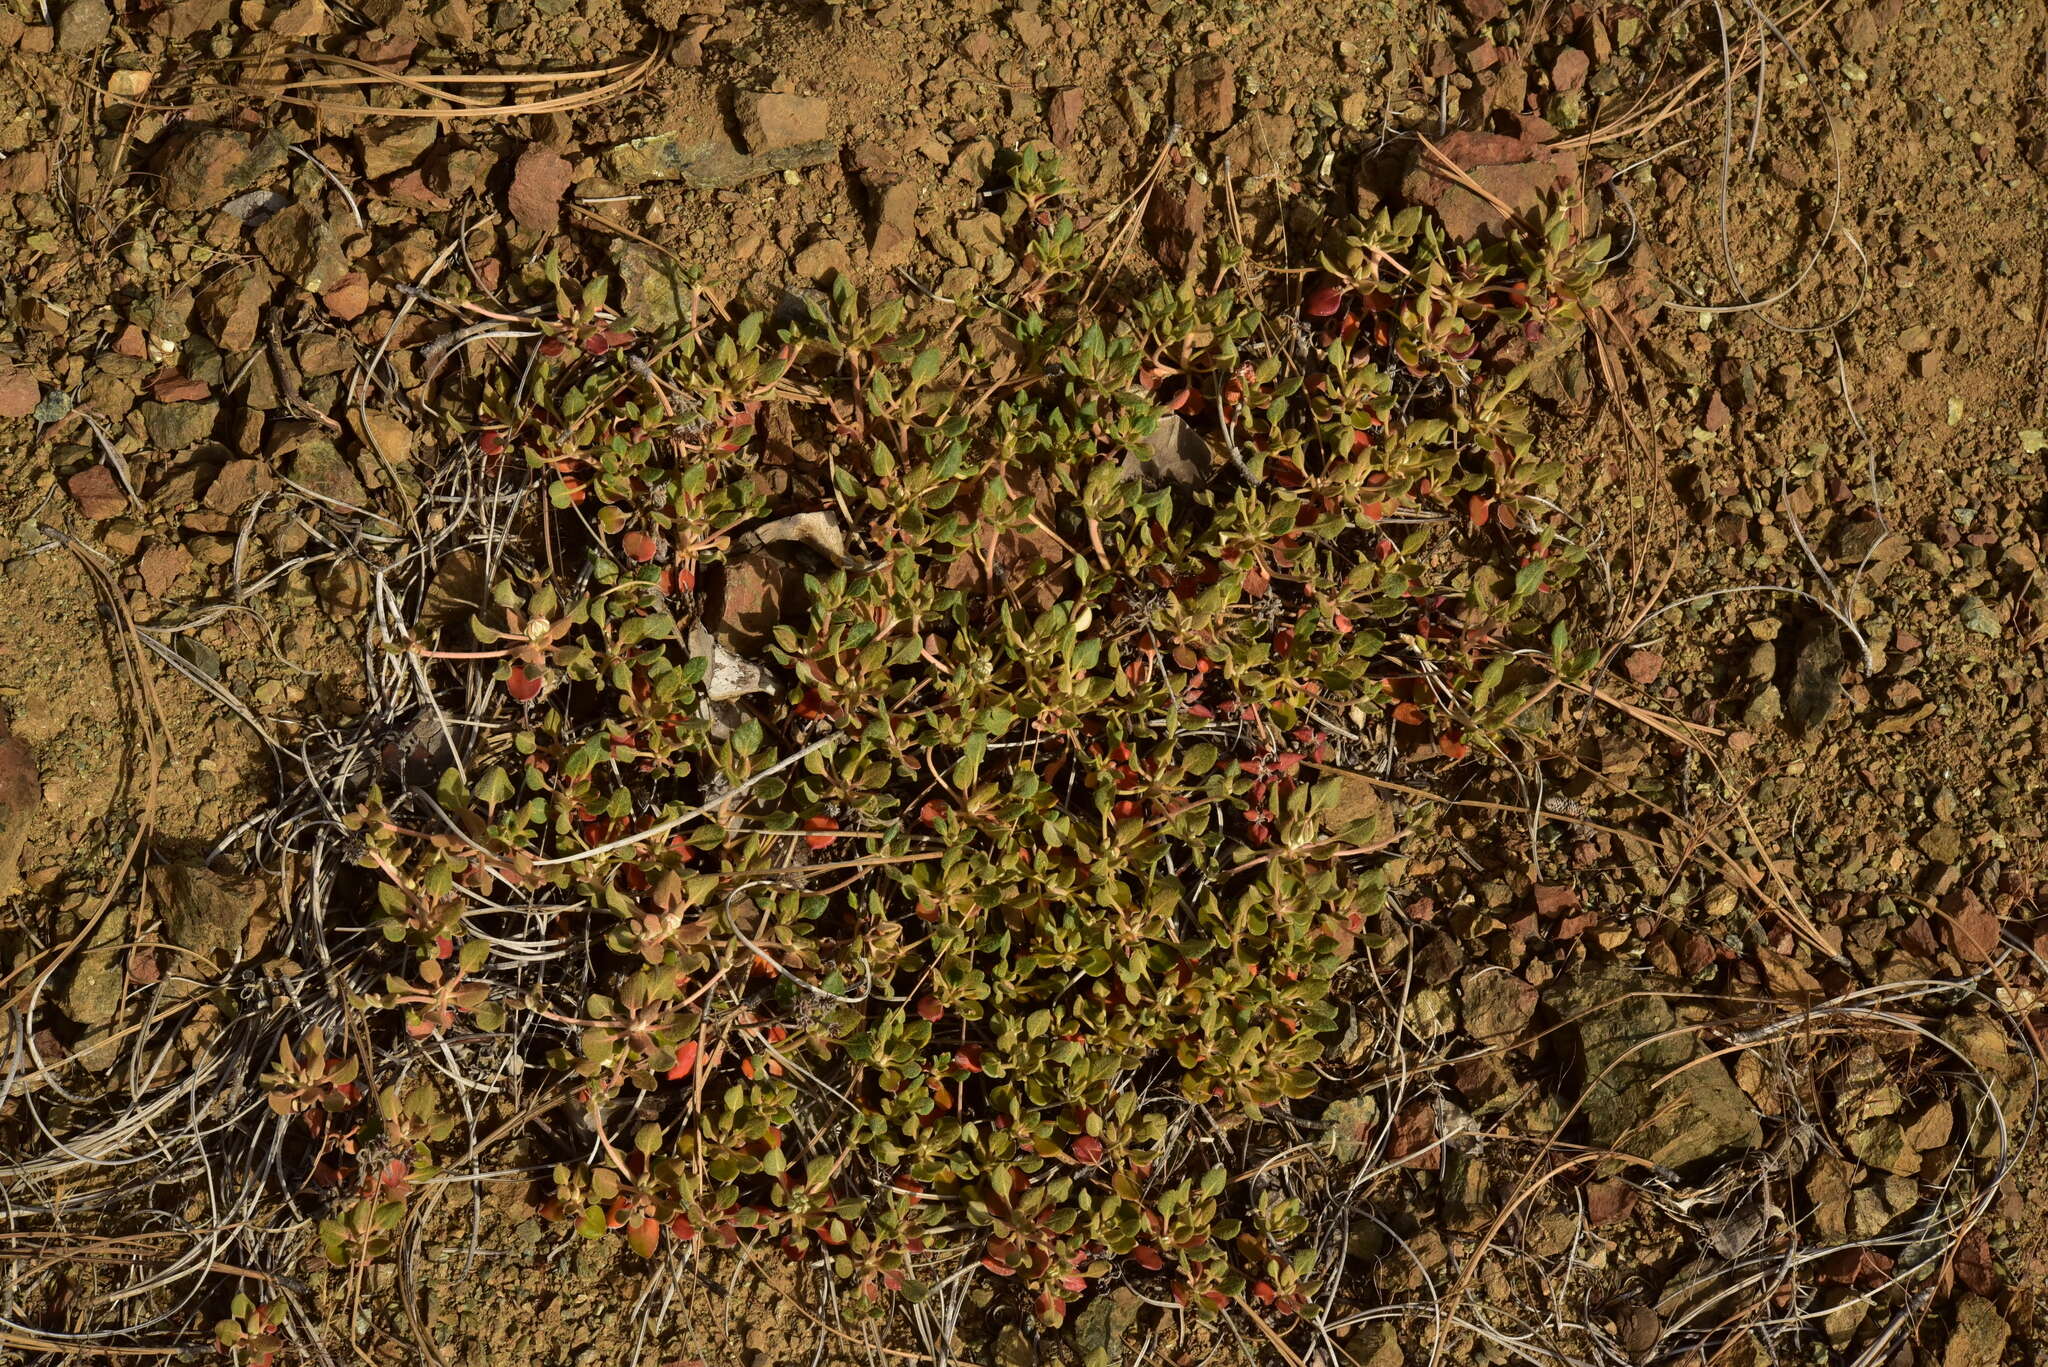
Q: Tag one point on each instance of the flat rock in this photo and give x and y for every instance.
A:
(386, 148)
(97, 493)
(1517, 172)
(19, 392)
(175, 426)
(1205, 95)
(772, 122)
(539, 180)
(1498, 1005)
(706, 159)
(1630, 1103)
(238, 484)
(199, 168)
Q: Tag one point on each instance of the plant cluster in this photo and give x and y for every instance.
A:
(1019, 858)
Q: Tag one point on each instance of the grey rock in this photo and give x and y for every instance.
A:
(707, 159)
(84, 25)
(1635, 1100)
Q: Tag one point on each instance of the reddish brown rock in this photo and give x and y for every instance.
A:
(97, 493)
(19, 392)
(539, 180)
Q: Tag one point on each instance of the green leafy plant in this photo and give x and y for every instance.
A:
(1026, 834)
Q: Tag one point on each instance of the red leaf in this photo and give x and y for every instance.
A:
(1088, 1149)
(686, 1060)
(820, 823)
(644, 1236)
(930, 1009)
(1147, 1257)
(1324, 300)
(520, 686)
(1479, 509)
(639, 547)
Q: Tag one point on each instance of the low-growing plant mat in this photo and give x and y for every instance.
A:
(882, 799)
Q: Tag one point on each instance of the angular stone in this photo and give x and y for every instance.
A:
(895, 230)
(301, 246)
(773, 123)
(97, 493)
(1518, 173)
(654, 292)
(1979, 1337)
(209, 913)
(202, 167)
(231, 306)
(1498, 1005)
(395, 145)
(539, 180)
(237, 486)
(1634, 1100)
(19, 392)
(1204, 95)
(175, 426)
(98, 977)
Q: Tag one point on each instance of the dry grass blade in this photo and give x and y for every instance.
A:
(611, 83)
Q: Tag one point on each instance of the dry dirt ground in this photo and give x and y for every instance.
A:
(1807, 455)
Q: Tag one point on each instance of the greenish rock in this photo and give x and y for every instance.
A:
(655, 291)
(319, 467)
(98, 976)
(1881, 1144)
(301, 246)
(1497, 1005)
(1636, 1100)
(1943, 844)
(706, 159)
(1977, 616)
(175, 426)
(1979, 1337)
(1099, 1330)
